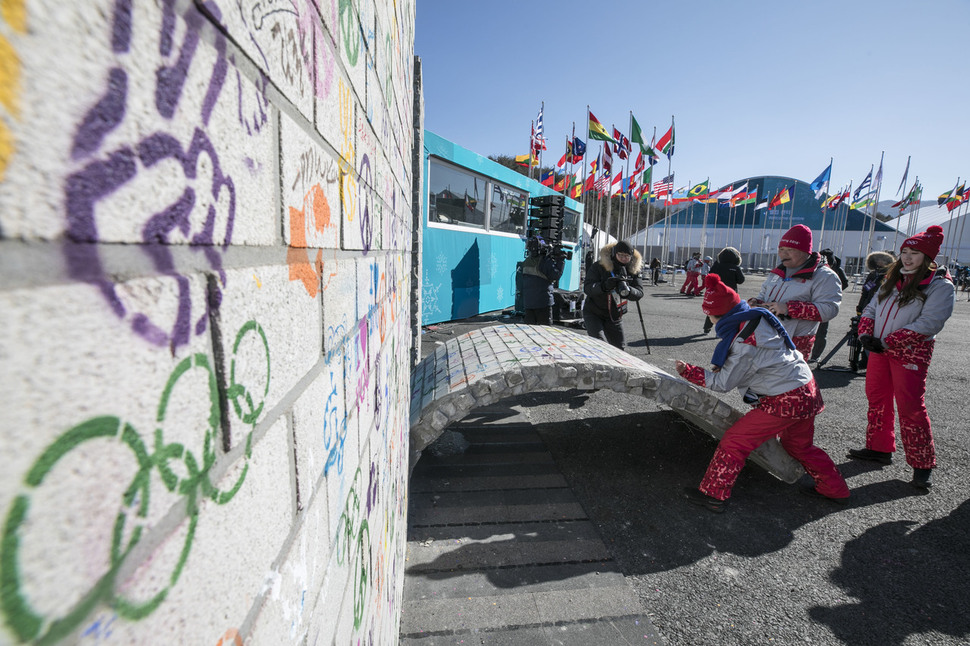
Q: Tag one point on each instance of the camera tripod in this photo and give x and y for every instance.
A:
(855, 353)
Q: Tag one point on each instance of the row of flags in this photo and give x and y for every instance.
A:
(638, 185)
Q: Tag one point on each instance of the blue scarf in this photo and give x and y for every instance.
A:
(729, 327)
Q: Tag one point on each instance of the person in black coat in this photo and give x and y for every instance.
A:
(610, 283)
(728, 267)
(540, 271)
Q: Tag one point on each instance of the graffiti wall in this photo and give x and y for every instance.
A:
(206, 296)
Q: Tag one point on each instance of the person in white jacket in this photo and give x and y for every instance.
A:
(899, 327)
(802, 291)
(756, 356)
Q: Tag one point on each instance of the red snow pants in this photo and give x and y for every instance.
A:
(889, 378)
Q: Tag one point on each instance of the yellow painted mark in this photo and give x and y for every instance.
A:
(9, 77)
(14, 13)
(6, 148)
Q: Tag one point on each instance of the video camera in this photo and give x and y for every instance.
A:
(536, 246)
(546, 218)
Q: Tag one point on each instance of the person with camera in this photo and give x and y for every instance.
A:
(823, 328)
(756, 356)
(728, 268)
(540, 271)
(877, 263)
(802, 291)
(899, 327)
(611, 282)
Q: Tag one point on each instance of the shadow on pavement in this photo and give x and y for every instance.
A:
(629, 473)
(906, 582)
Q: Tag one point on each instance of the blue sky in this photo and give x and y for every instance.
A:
(756, 87)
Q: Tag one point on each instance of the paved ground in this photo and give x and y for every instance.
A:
(892, 567)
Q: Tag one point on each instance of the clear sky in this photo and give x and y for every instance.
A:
(757, 87)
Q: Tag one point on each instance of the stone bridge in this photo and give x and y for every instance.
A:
(490, 364)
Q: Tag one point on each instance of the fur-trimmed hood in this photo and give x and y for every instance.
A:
(729, 256)
(632, 267)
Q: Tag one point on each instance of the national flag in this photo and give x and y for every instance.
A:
(562, 160)
(749, 198)
(836, 200)
(666, 143)
(597, 131)
(763, 204)
(663, 186)
(636, 135)
(862, 204)
(907, 199)
(902, 184)
(956, 199)
(616, 185)
(651, 152)
(576, 191)
(864, 185)
(647, 177)
(546, 178)
(590, 182)
(942, 199)
(602, 183)
(821, 183)
(638, 165)
(579, 149)
(560, 184)
(699, 190)
(621, 145)
(526, 160)
(783, 197)
(607, 158)
(877, 181)
(593, 165)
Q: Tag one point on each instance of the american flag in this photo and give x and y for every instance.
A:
(663, 186)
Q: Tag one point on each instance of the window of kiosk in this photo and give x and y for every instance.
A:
(507, 210)
(456, 196)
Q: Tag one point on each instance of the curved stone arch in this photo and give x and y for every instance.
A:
(490, 364)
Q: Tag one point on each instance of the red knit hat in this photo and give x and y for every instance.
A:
(798, 237)
(719, 299)
(928, 242)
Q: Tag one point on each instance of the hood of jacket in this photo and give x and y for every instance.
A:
(729, 256)
(606, 259)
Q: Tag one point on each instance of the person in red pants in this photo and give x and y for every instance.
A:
(693, 269)
(899, 327)
(756, 355)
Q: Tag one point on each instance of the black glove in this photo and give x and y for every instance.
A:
(610, 284)
(871, 343)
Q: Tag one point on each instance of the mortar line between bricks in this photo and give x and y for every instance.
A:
(516, 566)
(578, 519)
(543, 624)
(420, 491)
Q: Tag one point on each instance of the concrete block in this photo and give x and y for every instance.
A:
(93, 393)
(279, 42)
(290, 592)
(270, 335)
(126, 147)
(321, 430)
(226, 560)
(311, 201)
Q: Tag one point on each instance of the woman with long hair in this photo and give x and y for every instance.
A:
(899, 328)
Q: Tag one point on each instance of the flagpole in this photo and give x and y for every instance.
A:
(845, 220)
(949, 226)
(963, 223)
(875, 204)
(821, 237)
(861, 236)
(532, 143)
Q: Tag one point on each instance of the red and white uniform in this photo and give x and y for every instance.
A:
(812, 293)
(788, 402)
(693, 269)
(908, 333)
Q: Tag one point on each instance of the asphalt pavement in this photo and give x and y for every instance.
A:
(890, 567)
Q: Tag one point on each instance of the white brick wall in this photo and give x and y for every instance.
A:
(206, 349)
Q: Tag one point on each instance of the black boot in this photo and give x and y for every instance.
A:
(921, 478)
(703, 500)
(873, 456)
